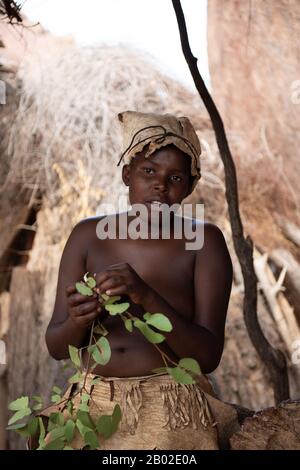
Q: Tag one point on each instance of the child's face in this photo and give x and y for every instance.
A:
(165, 176)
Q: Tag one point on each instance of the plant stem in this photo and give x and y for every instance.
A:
(89, 355)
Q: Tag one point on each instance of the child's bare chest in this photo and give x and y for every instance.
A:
(164, 265)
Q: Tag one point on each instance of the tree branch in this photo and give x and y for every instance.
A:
(11, 9)
(274, 359)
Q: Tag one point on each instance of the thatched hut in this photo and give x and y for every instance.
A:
(60, 144)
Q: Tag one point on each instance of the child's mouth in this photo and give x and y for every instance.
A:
(155, 205)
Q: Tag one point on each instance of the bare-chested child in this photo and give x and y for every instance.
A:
(191, 287)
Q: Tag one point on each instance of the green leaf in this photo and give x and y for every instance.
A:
(180, 375)
(57, 390)
(147, 315)
(100, 330)
(96, 381)
(37, 407)
(116, 309)
(75, 378)
(85, 431)
(42, 433)
(128, 325)
(81, 427)
(57, 418)
(50, 426)
(19, 415)
(91, 282)
(56, 398)
(69, 430)
(85, 398)
(102, 353)
(19, 404)
(112, 299)
(91, 348)
(149, 334)
(116, 418)
(58, 432)
(96, 355)
(74, 355)
(159, 370)
(104, 426)
(160, 321)
(57, 444)
(23, 432)
(90, 438)
(83, 289)
(190, 364)
(84, 407)
(68, 448)
(70, 407)
(33, 426)
(14, 427)
(37, 398)
(105, 297)
(85, 419)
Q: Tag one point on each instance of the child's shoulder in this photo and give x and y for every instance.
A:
(210, 229)
(87, 223)
(213, 236)
(86, 227)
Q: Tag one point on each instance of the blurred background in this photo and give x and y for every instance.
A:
(65, 73)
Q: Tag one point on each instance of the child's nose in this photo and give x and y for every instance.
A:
(161, 184)
(161, 187)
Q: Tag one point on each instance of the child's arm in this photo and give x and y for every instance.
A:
(73, 313)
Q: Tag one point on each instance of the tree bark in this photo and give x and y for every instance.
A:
(270, 429)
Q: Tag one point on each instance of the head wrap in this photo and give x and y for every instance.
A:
(159, 130)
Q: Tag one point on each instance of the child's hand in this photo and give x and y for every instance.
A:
(82, 309)
(122, 279)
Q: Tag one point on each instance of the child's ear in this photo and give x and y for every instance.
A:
(126, 174)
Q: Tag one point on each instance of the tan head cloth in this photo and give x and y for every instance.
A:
(159, 130)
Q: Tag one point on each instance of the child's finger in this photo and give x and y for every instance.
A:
(111, 283)
(85, 308)
(88, 318)
(120, 290)
(70, 289)
(77, 299)
(108, 274)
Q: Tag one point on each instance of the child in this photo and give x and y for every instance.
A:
(191, 287)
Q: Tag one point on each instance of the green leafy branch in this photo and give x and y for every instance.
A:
(62, 425)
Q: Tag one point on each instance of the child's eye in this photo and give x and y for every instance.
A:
(176, 178)
(148, 170)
